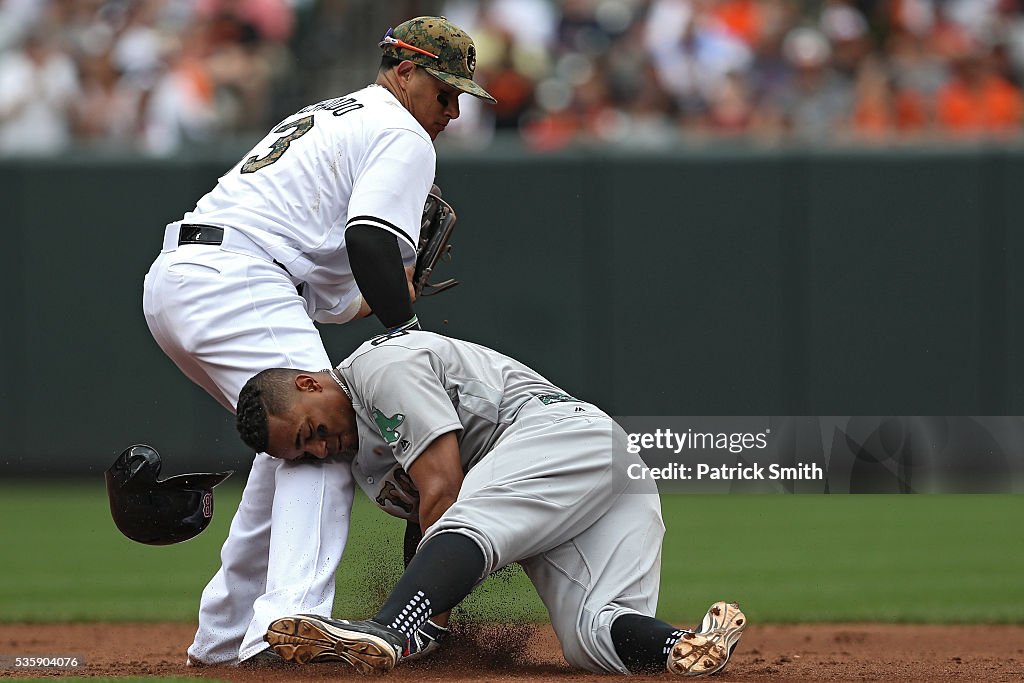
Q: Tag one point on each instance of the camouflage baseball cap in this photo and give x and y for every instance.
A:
(439, 46)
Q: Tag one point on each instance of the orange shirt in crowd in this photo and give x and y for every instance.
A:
(904, 112)
(741, 17)
(995, 105)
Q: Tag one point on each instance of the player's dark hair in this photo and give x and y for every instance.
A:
(268, 393)
(387, 61)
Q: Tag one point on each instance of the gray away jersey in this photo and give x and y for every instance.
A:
(411, 388)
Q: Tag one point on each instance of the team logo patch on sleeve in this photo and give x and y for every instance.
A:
(548, 399)
(388, 426)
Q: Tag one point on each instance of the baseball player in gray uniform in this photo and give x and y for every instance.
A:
(497, 465)
(318, 222)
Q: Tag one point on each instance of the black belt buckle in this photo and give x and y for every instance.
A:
(197, 233)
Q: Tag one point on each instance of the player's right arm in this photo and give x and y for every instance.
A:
(402, 392)
(437, 474)
(415, 416)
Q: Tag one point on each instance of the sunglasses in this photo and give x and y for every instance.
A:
(389, 39)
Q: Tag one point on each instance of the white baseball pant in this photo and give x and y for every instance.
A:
(222, 314)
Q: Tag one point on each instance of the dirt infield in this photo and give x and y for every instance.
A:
(855, 652)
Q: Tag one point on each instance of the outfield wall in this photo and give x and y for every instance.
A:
(699, 283)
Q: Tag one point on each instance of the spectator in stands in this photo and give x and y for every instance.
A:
(846, 29)
(244, 50)
(514, 89)
(817, 99)
(107, 111)
(977, 100)
(731, 108)
(692, 53)
(881, 110)
(181, 111)
(38, 86)
(913, 66)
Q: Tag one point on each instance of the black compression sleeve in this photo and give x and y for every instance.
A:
(443, 572)
(377, 267)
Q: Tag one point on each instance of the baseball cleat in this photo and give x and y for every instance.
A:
(366, 646)
(707, 650)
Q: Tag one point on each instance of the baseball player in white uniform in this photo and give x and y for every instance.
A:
(319, 222)
(497, 465)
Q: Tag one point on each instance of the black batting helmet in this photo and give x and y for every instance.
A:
(158, 512)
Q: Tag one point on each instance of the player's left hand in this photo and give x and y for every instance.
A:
(436, 229)
(425, 641)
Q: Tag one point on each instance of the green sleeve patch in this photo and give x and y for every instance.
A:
(388, 426)
(548, 399)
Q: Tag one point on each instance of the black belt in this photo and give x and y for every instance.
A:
(199, 233)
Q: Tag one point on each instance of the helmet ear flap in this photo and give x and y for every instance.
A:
(156, 512)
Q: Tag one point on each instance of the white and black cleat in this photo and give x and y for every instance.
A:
(707, 650)
(366, 646)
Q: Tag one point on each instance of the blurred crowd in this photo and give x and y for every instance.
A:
(156, 75)
(163, 75)
(649, 72)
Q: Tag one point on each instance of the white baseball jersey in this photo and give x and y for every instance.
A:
(545, 482)
(361, 158)
(223, 312)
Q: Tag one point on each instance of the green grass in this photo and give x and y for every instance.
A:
(785, 558)
(935, 559)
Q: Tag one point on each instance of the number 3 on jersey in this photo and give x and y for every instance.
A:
(298, 128)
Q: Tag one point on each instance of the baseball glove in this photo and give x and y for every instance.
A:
(435, 231)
